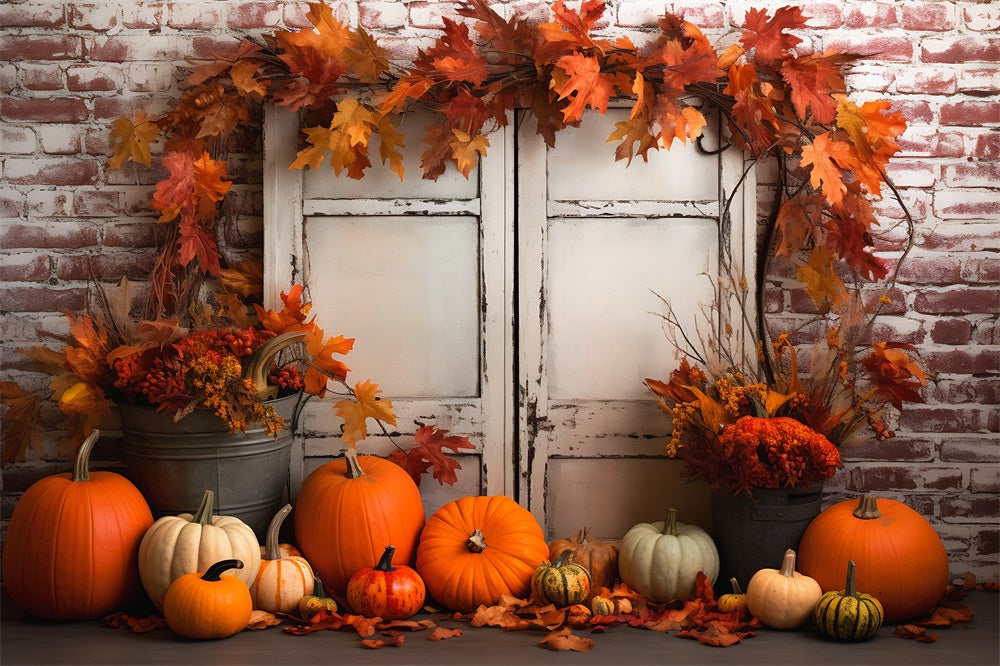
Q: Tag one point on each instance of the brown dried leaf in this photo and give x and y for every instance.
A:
(942, 616)
(497, 616)
(914, 632)
(138, 625)
(443, 633)
(374, 644)
(262, 620)
(564, 639)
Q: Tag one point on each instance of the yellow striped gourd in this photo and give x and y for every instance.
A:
(848, 615)
(562, 583)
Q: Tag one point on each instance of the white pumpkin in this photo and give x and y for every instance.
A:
(661, 560)
(282, 580)
(190, 543)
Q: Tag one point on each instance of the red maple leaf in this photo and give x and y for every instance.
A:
(767, 35)
(427, 454)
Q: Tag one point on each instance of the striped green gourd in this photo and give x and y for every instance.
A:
(848, 615)
(562, 583)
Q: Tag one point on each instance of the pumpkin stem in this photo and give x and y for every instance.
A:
(213, 572)
(851, 590)
(788, 563)
(354, 470)
(583, 535)
(476, 542)
(563, 559)
(736, 586)
(271, 549)
(203, 516)
(385, 562)
(867, 508)
(81, 467)
(670, 524)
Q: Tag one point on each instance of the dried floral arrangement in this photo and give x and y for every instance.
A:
(776, 102)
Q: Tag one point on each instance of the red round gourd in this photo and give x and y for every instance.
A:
(72, 545)
(349, 509)
(476, 549)
(900, 558)
(386, 591)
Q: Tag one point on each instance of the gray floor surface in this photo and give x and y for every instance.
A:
(27, 641)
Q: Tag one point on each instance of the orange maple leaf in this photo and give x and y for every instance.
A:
(767, 35)
(391, 141)
(814, 80)
(356, 412)
(584, 85)
(794, 226)
(570, 30)
(365, 58)
(330, 37)
(244, 75)
(220, 112)
(133, 139)
(896, 377)
(466, 150)
(828, 156)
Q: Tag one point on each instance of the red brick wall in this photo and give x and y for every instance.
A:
(68, 69)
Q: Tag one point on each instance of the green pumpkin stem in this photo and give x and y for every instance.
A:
(670, 524)
(81, 466)
(867, 508)
(203, 516)
(476, 542)
(385, 562)
(788, 563)
(354, 470)
(736, 586)
(213, 572)
(851, 590)
(272, 550)
(563, 559)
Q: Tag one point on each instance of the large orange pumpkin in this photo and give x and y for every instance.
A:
(72, 545)
(476, 549)
(900, 558)
(349, 509)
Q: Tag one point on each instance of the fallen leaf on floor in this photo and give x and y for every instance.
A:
(497, 616)
(912, 631)
(377, 643)
(442, 633)
(262, 620)
(409, 625)
(564, 639)
(943, 616)
(138, 625)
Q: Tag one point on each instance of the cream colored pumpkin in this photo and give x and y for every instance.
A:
(661, 560)
(282, 580)
(190, 543)
(782, 598)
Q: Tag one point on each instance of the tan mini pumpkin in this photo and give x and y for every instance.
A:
(189, 543)
(598, 556)
(782, 598)
(282, 580)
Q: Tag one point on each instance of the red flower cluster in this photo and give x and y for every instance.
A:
(755, 452)
(171, 378)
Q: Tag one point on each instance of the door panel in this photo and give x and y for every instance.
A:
(518, 307)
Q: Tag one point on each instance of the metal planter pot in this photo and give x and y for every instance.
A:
(173, 464)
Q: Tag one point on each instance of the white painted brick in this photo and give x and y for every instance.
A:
(50, 203)
(17, 139)
(983, 17)
(100, 16)
(382, 15)
(60, 139)
(640, 14)
(151, 76)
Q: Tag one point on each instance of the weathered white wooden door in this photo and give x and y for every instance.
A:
(517, 307)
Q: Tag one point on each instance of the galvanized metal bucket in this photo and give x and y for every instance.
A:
(173, 464)
(754, 533)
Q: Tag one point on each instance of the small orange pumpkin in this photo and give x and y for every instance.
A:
(72, 545)
(386, 591)
(282, 580)
(474, 550)
(208, 605)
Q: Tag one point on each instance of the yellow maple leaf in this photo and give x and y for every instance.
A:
(133, 139)
(355, 120)
(392, 141)
(356, 412)
(244, 78)
(822, 282)
(466, 150)
(827, 157)
(319, 140)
